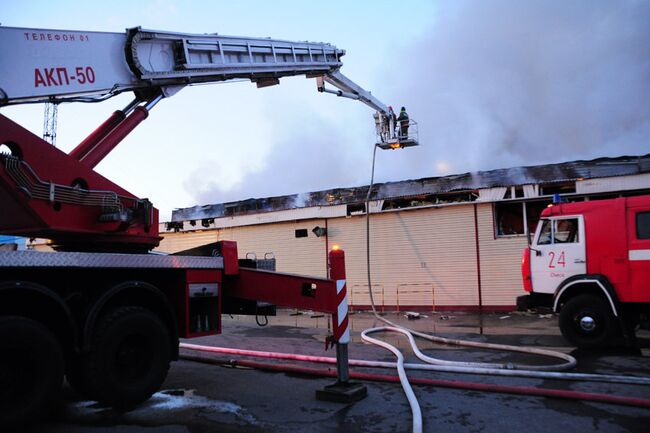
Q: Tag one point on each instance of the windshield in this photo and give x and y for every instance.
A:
(545, 234)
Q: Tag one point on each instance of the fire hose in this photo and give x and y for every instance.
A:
(555, 371)
(588, 377)
(454, 384)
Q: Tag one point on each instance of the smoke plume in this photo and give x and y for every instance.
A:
(493, 84)
(506, 83)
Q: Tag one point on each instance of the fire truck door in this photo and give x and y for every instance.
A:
(558, 252)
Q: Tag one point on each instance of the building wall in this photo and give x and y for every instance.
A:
(293, 255)
(174, 242)
(421, 258)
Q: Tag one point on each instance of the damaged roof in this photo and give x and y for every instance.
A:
(516, 176)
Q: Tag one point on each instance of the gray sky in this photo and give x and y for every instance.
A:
(492, 84)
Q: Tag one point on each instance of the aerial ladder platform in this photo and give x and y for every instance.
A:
(59, 196)
(101, 310)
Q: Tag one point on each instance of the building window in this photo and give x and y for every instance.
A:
(509, 218)
(514, 192)
(517, 218)
(533, 212)
(643, 225)
(558, 188)
(356, 209)
(302, 233)
(429, 200)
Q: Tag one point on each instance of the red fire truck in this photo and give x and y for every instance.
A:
(102, 310)
(590, 261)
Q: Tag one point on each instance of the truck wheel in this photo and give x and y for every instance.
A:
(129, 358)
(587, 321)
(31, 371)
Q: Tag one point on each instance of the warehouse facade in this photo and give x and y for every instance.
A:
(444, 243)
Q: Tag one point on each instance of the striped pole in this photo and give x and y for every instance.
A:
(340, 318)
(343, 390)
(341, 331)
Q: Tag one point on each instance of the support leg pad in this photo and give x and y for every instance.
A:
(342, 392)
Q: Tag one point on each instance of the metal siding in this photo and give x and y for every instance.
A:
(304, 256)
(173, 242)
(608, 184)
(280, 216)
(501, 281)
(423, 257)
(317, 212)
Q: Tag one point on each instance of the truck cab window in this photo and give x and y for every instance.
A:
(561, 231)
(643, 225)
(566, 231)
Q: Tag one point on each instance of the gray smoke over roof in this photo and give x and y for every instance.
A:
(508, 83)
(492, 84)
(541, 174)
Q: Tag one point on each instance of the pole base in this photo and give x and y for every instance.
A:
(342, 392)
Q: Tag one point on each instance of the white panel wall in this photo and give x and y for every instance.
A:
(295, 255)
(421, 257)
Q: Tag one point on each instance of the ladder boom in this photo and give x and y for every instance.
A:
(198, 58)
(84, 66)
(47, 193)
(349, 89)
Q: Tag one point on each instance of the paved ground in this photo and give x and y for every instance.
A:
(201, 398)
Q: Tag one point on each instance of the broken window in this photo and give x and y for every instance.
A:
(514, 192)
(533, 212)
(558, 188)
(518, 218)
(509, 218)
(430, 200)
(356, 209)
(519, 191)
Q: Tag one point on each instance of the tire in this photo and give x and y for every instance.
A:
(587, 322)
(129, 358)
(31, 372)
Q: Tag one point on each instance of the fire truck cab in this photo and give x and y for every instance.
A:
(590, 261)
